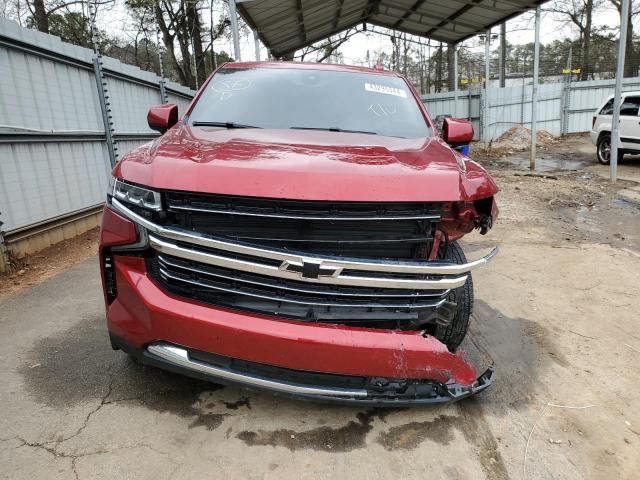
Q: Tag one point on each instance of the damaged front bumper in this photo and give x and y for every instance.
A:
(373, 391)
(308, 360)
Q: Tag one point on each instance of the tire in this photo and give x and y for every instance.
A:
(453, 334)
(603, 150)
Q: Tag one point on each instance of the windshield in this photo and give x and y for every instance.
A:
(310, 99)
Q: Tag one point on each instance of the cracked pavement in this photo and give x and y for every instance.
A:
(560, 326)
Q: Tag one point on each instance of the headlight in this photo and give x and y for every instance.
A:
(134, 195)
(461, 163)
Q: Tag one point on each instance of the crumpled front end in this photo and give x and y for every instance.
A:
(336, 388)
(308, 360)
(335, 301)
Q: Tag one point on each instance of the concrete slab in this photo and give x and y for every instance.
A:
(72, 407)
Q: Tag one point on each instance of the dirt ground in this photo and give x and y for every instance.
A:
(40, 266)
(557, 310)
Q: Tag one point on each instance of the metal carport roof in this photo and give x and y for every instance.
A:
(285, 26)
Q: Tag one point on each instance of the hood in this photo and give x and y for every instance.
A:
(304, 165)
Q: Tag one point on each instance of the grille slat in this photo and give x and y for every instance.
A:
(353, 229)
(292, 298)
(266, 295)
(177, 265)
(301, 209)
(360, 232)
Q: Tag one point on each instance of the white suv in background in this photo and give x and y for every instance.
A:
(629, 127)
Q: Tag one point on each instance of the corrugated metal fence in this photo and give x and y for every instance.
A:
(562, 107)
(54, 160)
(53, 154)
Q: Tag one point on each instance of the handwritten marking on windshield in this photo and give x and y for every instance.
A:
(225, 88)
(382, 110)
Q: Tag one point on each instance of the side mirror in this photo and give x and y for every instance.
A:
(162, 117)
(457, 132)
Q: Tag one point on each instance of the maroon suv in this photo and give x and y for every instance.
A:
(296, 230)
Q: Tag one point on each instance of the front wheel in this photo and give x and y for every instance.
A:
(453, 334)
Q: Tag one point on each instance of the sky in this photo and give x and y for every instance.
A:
(519, 31)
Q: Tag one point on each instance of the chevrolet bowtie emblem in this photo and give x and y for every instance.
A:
(312, 270)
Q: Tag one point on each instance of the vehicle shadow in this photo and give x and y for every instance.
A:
(112, 377)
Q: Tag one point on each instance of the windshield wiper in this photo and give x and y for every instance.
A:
(333, 129)
(222, 124)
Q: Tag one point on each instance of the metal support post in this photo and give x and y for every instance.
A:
(107, 119)
(103, 95)
(161, 83)
(456, 113)
(566, 98)
(482, 104)
(615, 132)
(487, 58)
(163, 92)
(522, 100)
(233, 17)
(4, 254)
(534, 91)
(256, 41)
(484, 112)
(503, 54)
(214, 63)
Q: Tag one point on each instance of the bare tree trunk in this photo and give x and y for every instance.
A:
(167, 39)
(183, 35)
(135, 52)
(451, 53)
(631, 59)
(40, 16)
(195, 28)
(183, 43)
(631, 62)
(405, 49)
(394, 53)
(585, 46)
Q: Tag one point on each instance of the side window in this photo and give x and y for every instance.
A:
(607, 109)
(630, 106)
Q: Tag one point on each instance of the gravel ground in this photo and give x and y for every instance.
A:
(40, 266)
(557, 310)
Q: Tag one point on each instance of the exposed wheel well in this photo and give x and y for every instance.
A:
(604, 132)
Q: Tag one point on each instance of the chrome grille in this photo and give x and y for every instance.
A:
(295, 282)
(296, 299)
(275, 263)
(349, 229)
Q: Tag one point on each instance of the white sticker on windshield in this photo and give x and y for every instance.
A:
(372, 87)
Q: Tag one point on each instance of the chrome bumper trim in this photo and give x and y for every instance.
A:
(170, 248)
(180, 357)
(399, 267)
